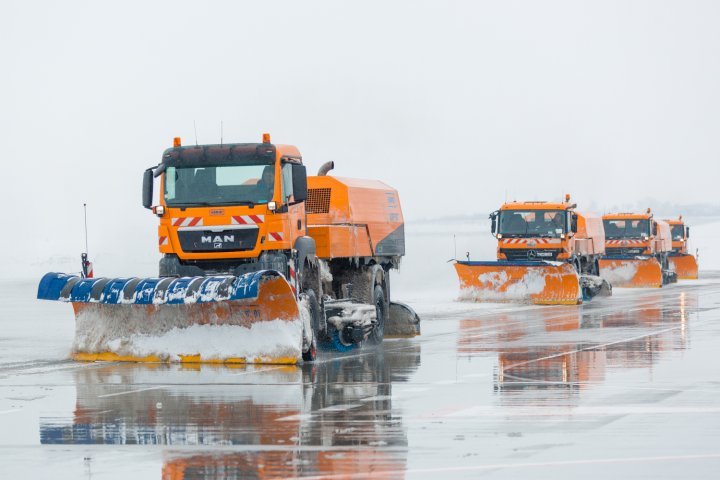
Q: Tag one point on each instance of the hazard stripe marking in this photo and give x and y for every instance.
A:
(247, 219)
(187, 221)
(277, 236)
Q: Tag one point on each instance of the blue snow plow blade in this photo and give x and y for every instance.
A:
(146, 291)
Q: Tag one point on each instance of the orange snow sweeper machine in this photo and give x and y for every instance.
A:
(684, 263)
(637, 248)
(547, 253)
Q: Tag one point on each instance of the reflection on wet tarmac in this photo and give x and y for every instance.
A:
(344, 403)
(618, 388)
(535, 351)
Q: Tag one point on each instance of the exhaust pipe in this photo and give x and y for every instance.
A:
(325, 168)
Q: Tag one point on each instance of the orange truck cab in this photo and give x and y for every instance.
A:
(636, 234)
(680, 235)
(549, 231)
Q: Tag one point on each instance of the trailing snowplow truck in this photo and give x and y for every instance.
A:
(636, 251)
(260, 264)
(547, 254)
(684, 263)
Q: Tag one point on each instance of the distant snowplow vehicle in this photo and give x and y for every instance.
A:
(636, 251)
(684, 263)
(547, 254)
(260, 263)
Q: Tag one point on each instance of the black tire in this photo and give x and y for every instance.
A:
(314, 307)
(381, 312)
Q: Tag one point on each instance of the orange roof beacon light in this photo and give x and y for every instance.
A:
(266, 138)
(177, 142)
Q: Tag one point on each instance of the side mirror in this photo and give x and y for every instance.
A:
(147, 188)
(654, 228)
(493, 222)
(687, 232)
(299, 180)
(573, 223)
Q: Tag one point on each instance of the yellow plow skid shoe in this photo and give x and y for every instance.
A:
(538, 282)
(638, 272)
(253, 318)
(685, 266)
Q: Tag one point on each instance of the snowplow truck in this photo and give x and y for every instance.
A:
(547, 253)
(637, 249)
(684, 263)
(260, 264)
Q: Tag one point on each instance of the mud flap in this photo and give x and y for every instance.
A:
(632, 271)
(402, 322)
(684, 265)
(539, 282)
(253, 318)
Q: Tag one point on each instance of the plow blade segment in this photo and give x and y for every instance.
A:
(547, 283)
(685, 266)
(402, 321)
(642, 272)
(253, 318)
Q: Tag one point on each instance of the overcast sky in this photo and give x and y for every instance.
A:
(458, 105)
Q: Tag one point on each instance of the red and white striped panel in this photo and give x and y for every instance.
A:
(247, 219)
(624, 242)
(276, 236)
(187, 222)
(524, 241)
(163, 241)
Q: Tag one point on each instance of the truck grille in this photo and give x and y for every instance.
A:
(525, 254)
(318, 200)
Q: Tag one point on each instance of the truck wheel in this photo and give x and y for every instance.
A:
(314, 308)
(378, 333)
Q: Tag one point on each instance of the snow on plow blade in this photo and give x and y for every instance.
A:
(252, 318)
(643, 272)
(685, 266)
(547, 283)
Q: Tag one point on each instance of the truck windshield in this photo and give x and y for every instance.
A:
(626, 228)
(532, 223)
(219, 185)
(678, 232)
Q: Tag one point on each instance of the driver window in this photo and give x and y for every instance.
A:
(287, 183)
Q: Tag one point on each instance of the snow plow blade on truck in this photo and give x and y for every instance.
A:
(544, 283)
(684, 265)
(172, 319)
(628, 271)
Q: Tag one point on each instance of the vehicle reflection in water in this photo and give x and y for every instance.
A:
(277, 413)
(570, 348)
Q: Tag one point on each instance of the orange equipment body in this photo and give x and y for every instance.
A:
(354, 218)
(684, 263)
(636, 248)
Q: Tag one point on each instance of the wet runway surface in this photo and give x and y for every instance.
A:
(626, 387)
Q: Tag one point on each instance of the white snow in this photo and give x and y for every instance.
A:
(531, 283)
(619, 275)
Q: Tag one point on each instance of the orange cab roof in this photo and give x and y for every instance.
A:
(537, 205)
(627, 216)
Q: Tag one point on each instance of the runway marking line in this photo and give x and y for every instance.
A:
(132, 391)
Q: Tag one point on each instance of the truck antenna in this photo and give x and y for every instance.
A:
(221, 133)
(86, 264)
(86, 236)
(195, 128)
